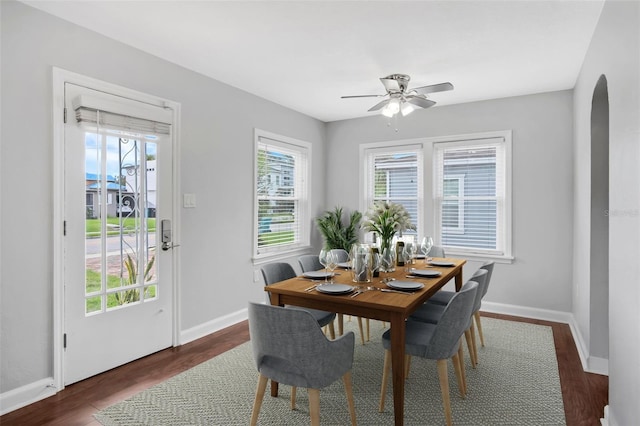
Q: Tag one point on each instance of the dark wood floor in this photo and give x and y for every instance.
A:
(585, 395)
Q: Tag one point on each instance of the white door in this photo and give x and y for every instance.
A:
(118, 298)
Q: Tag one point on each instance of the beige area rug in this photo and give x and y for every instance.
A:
(515, 383)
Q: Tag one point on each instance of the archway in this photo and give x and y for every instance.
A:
(599, 264)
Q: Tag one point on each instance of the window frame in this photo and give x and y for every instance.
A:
(302, 182)
(367, 194)
(504, 236)
(427, 223)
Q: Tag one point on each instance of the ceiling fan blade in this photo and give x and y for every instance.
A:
(379, 105)
(391, 84)
(420, 101)
(442, 87)
(361, 96)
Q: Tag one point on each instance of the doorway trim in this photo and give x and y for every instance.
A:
(60, 77)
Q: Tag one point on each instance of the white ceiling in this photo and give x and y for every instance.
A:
(306, 54)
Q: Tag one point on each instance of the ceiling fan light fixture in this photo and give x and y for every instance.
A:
(391, 108)
(406, 108)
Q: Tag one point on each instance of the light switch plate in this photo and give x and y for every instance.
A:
(189, 201)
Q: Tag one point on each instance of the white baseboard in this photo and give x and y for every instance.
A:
(25, 395)
(212, 326)
(605, 420)
(590, 364)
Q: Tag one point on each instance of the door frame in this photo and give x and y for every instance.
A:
(60, 77)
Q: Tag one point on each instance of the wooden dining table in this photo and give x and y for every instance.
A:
(391, 307)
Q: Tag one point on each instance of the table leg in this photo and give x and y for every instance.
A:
(340, 324)
(459, 280)
(397, 366)
(275, 300)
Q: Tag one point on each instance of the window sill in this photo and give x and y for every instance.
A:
(480, 256)
(261, 259)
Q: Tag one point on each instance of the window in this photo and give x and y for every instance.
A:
(281, 194)
(471, 203)
(395, 175)
(464, 200)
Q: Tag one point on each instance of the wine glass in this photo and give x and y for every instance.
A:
(323, 258)
(425, 247)
(332, 263)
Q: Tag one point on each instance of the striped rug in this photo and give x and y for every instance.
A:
(515, 383)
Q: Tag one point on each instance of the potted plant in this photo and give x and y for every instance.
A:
(385, 219)
(336, 234)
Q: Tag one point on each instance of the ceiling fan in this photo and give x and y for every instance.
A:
(401, 99)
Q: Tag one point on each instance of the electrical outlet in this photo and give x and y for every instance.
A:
(256, 275)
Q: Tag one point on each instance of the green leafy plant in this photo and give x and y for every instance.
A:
(336, 234)
(385, 219)
(133, 295)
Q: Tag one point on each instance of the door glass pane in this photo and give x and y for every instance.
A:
(120, 181)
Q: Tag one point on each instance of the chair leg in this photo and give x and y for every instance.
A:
(314, 406)
(368, 334)
(444, 388)
(385, 379)
(462, 369)
(361, 330)
(467, 335)
(332, 331)
(349, 390)
(257, 403)
(293, 397)
(473, 342)
(476, 315)
(455, 359)
(340, 324)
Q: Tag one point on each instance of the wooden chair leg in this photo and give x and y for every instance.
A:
(444, 388)
(340, 324)
(455, 359)
(407, 366)
(473, 342)
(314, 406)
(293, 397)
(462, 368)
(349, 390)
(368, 333)
(361, 330)
(476, 315)
(467, 335)
(332, 331)
(257, 403)
(386, 369)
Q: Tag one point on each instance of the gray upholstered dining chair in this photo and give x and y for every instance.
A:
(441, 341)
(432, 313)
(341, 255)
(289, 348)
(310, 262)
(280, 271)
(442, 297)
(436, 251)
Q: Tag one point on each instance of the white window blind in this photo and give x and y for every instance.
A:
(281, 195)
(470, 195)
(135, 117)
(395, 175)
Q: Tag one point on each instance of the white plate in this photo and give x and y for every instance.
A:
(318, 274)
(334, 288)
(425, 273)
(405, 285)
(441, 263)
(344, 265)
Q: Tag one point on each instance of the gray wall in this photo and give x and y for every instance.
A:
(216, 164)
(540, 276)
(614, 52)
